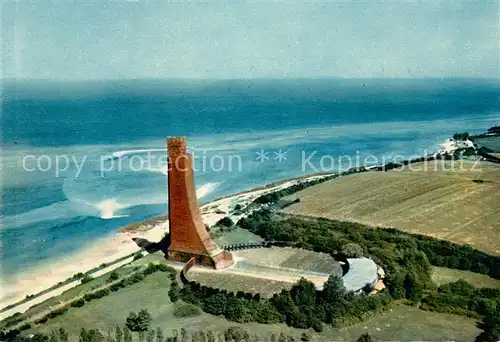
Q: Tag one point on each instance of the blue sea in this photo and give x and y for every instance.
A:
(82, 159)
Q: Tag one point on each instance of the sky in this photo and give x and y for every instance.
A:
(353, 39)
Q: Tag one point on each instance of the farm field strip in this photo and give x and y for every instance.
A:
(442, 204)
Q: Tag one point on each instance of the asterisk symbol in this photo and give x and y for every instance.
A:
(262, 156)
(280, 155)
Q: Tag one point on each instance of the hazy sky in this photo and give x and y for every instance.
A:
(238, 40)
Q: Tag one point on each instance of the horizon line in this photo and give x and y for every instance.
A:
(15, 79)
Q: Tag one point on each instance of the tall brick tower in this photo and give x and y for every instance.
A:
(188, 236)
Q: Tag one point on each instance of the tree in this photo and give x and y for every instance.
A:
(414, 288)
(139, 322)
(127, 335)
(235, 333)
(305, 337)
(95, 335)
(491, 328)
(215, 304)
(131, 321)
(461, 136)
(54, 336)
(304, 293)
(494, 129)
(366, 337)
(150, 336)
(113, 276)
(159, 335)
(225, 222)
(352, 250)
(83, 335)
(184, 335)
(109, 337)
(144, 319)
(86, 278)
(118, 334)
(63, 335)
(39, 337)
(333, 289)
(210, 336)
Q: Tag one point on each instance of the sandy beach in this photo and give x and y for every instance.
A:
(115, 246)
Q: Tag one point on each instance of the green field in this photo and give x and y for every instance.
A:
(493, 143)
(438, 199)
(402, 323)
(405, 323)
(442, 275)
(78, 291)
(235, 236)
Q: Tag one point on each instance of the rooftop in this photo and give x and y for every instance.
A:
(362, 271)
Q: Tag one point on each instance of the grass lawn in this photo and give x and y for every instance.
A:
(235, 236)
(443, 275)
(431, 199)
(80, 290)
(406, 323)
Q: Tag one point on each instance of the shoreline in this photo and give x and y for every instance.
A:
(119, 244)
(108, 249)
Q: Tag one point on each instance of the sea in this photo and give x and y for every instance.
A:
(80, 160)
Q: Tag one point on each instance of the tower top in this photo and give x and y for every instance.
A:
(176, 145)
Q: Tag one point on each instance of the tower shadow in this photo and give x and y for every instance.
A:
(148, 246)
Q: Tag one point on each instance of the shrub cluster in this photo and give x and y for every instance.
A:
(463, 299)
(225, 222)
(186, 310)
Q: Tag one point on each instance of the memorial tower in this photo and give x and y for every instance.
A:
(188, 235)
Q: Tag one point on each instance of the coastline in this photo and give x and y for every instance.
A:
(120, 244)
(115, 246)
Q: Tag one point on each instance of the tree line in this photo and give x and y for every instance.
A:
(328, 236)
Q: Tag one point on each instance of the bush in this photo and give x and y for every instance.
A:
(352, 250)
(86, 278)
(366, 337)
(186, 310)
(225, 222)
(113, 276)
(57, 312)
(137, 256)
(461, 136)
(78, 303)
(78, 275)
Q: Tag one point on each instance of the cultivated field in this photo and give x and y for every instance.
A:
(443, 275)
(458, 202)
(493, 143)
